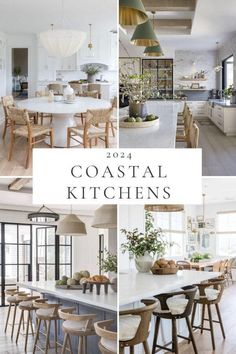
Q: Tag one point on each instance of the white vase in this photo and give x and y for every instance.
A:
(113, 279)
(68, 93)
(144, 263)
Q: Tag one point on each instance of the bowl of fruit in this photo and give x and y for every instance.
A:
(164, 267)
(76, 282)
(138, 122)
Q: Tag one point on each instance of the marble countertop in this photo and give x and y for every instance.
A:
(223, 103)
(135, 286)
(161, 135)
(103, 301)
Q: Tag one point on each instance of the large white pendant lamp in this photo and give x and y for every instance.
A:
(71, 225)
(61, 42)
(105, 217)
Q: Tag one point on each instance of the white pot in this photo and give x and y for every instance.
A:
(144, 263)
(68, 93)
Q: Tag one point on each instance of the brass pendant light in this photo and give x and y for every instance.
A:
(159, 208)
(131, 12)
(153, 51)
(144, 35)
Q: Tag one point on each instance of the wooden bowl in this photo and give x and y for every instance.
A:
(164, 271)
(143, 124)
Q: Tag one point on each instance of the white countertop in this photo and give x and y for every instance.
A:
(161, 135)
(103, 301)
(81, 105)
(135, 286)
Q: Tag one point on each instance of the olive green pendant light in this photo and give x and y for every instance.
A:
(144, 35)
(156, 50)
(132, 12)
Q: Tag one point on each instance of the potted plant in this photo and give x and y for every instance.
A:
(91, 70)
(109, 265)
(145, 247)
(197, 257)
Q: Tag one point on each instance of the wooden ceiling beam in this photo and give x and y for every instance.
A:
(172, 24)
(18, 184)
(169, 5)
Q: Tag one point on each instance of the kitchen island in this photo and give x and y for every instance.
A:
(161, 135)
(103, 305)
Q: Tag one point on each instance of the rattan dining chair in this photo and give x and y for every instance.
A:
(93, 94)
(8, 101)
(90, 130)
(78, 88)
(41, 115)
(108, 338)
(56, 88)
(193, 136)
(27, 130)
(95, 87)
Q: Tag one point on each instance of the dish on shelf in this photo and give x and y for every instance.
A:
(138, 122)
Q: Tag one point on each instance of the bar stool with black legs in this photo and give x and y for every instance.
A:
(26, 306)
(175, 306)
(134, 327)
(209, 294)
(13, 302)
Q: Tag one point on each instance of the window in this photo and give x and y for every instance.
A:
(172, 225)
(228, 72)
(226, 233)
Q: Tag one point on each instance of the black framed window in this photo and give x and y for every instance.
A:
(228, 72)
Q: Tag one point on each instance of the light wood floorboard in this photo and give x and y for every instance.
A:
(218, 151)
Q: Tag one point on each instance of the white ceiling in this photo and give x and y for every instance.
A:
(28, 16)
(214, 20)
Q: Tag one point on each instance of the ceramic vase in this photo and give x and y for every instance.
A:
(144, 263)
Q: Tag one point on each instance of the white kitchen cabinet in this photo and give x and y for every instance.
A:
(224, 118)
(69, 63)
(198, 108)
(46, 65)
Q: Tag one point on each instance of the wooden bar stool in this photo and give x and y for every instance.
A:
(134, 326)
(174, 306)
(209, 294)
(13, 302)
(26, 306)
(108, 341)
(81, 326)
(47, 313)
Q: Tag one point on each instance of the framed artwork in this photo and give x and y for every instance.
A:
(200, 218)
(191, 238)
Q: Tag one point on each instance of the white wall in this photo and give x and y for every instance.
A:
(22, 41)
(2, 64)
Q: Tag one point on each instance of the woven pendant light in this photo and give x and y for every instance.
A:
(131, 12)
(159, 208)
(71, 225)
(105, 217)
(144, 35)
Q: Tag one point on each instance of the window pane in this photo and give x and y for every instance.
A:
(11, 254)
(24, 234)
(50, 254)
(65, 240)
(11, 274)
(41, 272)
(50, 236)
(24, 254)
(65, 270)
(65, 254)
(50, 272)
(41, 254)
(23, 273)
(41, 236)
(11, 233)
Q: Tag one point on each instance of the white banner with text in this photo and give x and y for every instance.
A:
(117, 176)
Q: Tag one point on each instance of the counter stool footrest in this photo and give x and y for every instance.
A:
(199, 327)
(215, 321)
(160, 347)
(183, 337)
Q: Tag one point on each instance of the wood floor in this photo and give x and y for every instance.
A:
(15, 167)
(218, 151)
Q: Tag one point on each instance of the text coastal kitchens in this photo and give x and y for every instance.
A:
(120, 182)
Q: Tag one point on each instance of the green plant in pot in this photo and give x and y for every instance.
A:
(145, 247)
(109, 265)
(197, 257)
(91, 70)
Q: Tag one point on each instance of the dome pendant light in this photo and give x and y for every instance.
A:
(105, 217)
(131, 12)
(144, 35)
(154, 51)
(71, 225)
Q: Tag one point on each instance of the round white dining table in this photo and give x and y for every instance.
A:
(63, 113)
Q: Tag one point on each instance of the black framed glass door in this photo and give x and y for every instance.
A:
(53, 254)
(16, 255)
